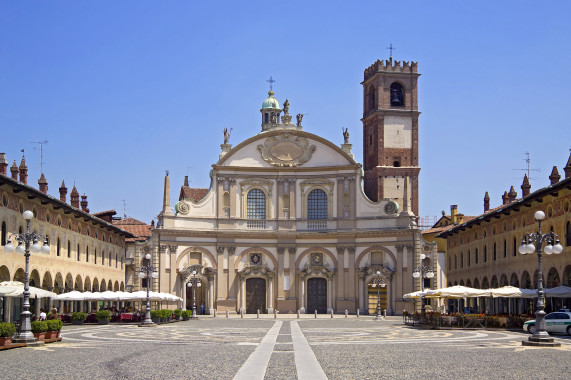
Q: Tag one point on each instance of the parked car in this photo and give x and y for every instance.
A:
(558, 322)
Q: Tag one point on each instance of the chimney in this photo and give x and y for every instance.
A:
(486, 202)
(3, 164)
(153, 224)
(512, 195)
(84, 203)
(23, 171)
(186, 180)
(505, 198)
(62, 192)
(460, 218)
(453, 212)
(554, 177)
(525, 187)
(14, 171)
(74, 197)
(567, 168)
(43, 182)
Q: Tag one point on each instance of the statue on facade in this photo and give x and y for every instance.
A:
(226, 135)
(274, 118)
(346, 135)
(299, 117)
(286, 107)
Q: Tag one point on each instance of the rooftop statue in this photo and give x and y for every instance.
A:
(286, 107)
(346, 135)
(299, 117)
(226, 135)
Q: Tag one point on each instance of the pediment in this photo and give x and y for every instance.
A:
(286, 150)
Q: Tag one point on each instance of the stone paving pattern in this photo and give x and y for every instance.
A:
(353, 348)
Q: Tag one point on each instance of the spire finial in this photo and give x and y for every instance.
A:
(391, 48)
(271, 81)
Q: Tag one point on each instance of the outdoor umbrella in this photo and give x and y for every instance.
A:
(558, 291)
(16, 289)
(513, 292)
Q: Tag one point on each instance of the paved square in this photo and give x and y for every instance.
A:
(286, 348)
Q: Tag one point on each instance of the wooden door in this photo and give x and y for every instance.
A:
(317, 295)
(255, 295)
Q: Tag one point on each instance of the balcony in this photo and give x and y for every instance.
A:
(256, 224)
(316, 225)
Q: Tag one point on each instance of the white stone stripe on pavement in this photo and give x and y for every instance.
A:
(257, 363)
(305, 361)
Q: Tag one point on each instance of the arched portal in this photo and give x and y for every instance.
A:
(317, 295)
(4, 273)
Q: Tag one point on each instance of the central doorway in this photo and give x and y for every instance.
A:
(255, 295)
(317, 295)
(199, 298)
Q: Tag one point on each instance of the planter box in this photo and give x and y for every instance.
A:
(52, 334)
(5, 340)
(76, 322)
(156, 320)
(103, 321)
(40, 335)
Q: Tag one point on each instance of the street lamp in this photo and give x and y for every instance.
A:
(148, 272)
(197, 284)
(378, 282)
(540, 337)
(422, 272)
(27, 241)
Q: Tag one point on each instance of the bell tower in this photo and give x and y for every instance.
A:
(390, 131)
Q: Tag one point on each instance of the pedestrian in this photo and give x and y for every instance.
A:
(43, 315)
(202, 308)
(53, 314)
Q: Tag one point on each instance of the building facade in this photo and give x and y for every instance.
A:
(86, 253)
(482, 252)
(286, 224)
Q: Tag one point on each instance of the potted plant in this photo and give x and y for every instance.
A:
(103, 317)
(177, 314)
(186, 315)
(6, 331)
(155, 316)
(78, 318)
(167, 314)
(39, 329)
(54, 328)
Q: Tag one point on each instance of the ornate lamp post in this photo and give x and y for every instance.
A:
(378, 282)
(27, 241)
(149, 272)
(540, 337)
(422, 272)
(197, 284)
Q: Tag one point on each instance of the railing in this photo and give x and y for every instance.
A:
(313, 225)
(256, 224)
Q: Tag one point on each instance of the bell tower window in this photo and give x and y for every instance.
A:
(371, 104)
(397, 95)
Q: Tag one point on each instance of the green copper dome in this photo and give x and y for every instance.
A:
(270, 101)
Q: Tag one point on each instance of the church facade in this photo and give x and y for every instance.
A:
(286, 224)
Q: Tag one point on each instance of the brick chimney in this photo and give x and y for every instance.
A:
(74, 197)
(486, 202)
(512, 195)
(63, 192)
(43, 182)
(567, 168)
(14, 171)
(554, 177)
(84, 203)
(186, 180)
(3, 164)
(453, 212)
(525, 187)
(23, 169)
(505, 198)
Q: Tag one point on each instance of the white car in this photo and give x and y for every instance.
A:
(558, 322)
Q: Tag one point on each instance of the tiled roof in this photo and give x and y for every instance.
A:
(141, 230)
(193, 194)
(112, 212)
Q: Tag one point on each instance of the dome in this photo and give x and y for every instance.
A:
(270, 101)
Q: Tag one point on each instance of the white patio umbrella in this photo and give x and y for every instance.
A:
(457, 291)
(16, 289)
(513, 292)
(74, 295)
(558, 291)
(416, 294)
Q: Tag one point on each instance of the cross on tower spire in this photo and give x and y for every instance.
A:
(271, 81)
(391, 48)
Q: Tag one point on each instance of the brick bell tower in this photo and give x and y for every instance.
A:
(390, 131)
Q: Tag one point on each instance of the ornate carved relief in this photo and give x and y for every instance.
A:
(317, 182)
(256, 271)
(231, 250)
(220, 249)
(391, 207)
(286, 150)
(247, 184)
(182, 208)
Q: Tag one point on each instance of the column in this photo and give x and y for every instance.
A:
(340, 274)
(330, 295)
(221, 286)
(361, 294)
(183, 282)
(281, 274)
(292, 272)
(232, 287)
(390, 296)
(270, 295)
(242, 294)
(301, 295)
(210, 294)
(350, 288)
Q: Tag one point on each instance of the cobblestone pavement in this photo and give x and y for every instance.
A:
(286, 348)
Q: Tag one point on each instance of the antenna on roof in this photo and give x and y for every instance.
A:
(528, 170)
(124, 209)
(41, 143)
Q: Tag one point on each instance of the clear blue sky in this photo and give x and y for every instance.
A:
(124, 90)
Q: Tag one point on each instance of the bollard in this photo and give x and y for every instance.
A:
(275, 314)
(227, 314)
(346, 313)
(357, 313)
(297, 313)
(385, 313)
(214, 313)
(258, 314)
(315, 313)
(241, 313)
(331, 313)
